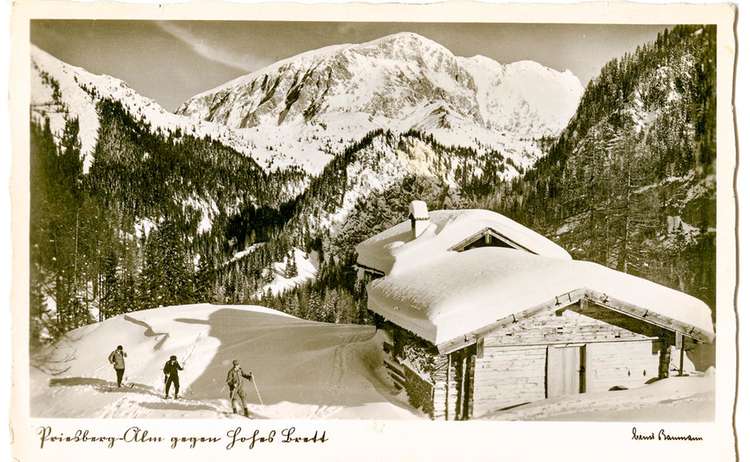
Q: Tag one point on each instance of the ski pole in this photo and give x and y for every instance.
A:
(197, 340)
(257, 392)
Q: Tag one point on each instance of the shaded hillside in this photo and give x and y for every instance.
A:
(142, 228)
(631, 182)
(164, 217)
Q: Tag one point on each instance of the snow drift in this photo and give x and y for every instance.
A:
(676, 399)
(303, 369)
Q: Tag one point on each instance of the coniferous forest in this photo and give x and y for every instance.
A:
(630, 183)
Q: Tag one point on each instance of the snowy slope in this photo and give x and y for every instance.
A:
(307, 270)
(303, 109)
(303, 369)
(60, 91)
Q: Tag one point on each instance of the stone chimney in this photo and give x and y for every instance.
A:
(419, 218)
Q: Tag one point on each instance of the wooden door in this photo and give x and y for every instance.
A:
(565, 370)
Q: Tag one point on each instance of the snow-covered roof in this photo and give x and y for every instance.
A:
(458, 293)
(394, 250)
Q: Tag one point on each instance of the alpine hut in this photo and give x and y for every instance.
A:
(482, 314)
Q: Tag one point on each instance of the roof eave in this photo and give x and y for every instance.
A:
(574, 296)
(651, 317)
(370, 269)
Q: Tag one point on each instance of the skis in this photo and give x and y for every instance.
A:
(126, 387)
(233, 415)
(252, 416)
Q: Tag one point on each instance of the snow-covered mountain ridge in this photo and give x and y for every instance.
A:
(60, 92)
(303, 109)
(421, 123)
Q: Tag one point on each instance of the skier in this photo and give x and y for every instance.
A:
(117, 359)
(171, 376)
(234, 381)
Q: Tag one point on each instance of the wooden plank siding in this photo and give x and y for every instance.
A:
(559, 302)
(624, 364)
(512, 368)
(508, 375)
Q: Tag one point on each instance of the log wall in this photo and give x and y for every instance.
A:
(419, 385)
(512, 366)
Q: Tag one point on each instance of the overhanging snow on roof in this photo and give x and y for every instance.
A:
(394, 250)
(459, 294)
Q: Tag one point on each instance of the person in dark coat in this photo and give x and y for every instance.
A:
(117, 359)
(171, 376)
(234, 382)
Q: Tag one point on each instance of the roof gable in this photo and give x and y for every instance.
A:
(564, 301)
(488, 237)
(395, 250)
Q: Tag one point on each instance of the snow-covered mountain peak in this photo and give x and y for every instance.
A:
(303, 110)
(314, 104)
(402, 45)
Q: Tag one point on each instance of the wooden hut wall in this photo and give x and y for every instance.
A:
(612, 349)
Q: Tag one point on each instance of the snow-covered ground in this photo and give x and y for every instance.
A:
(676, 399)
(304, 369)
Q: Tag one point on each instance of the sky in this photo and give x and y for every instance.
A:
(170, 61)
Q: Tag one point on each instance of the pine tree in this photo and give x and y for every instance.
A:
(291, 265)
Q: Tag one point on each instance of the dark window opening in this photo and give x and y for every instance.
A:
(486, 240)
